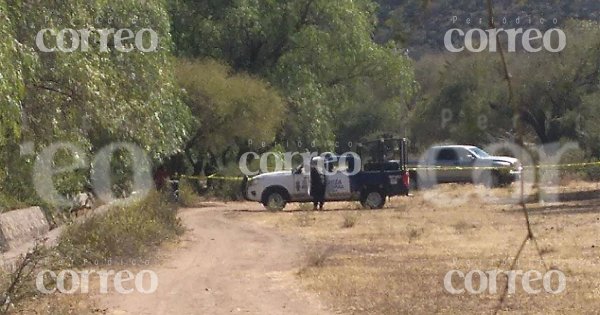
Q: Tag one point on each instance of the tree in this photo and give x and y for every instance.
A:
(90, 98)
(231, 110)
(15, 61)
(96, 97)
(319, 53)
(11, 80)
(463, 101)
(556, 103)
(553, 100)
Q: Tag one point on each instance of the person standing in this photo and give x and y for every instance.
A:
(317, 188)
(161, 176)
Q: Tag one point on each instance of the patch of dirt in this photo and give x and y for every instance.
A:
(224, 265)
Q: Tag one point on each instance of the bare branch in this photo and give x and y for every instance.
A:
(519, 139)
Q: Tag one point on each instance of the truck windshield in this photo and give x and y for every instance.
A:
(480, 152)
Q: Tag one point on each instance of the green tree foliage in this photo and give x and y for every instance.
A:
(465, 102)
(302, 72)
(556, 94)
(555, 99)
(319, 53)
(231, 109)
(11, 82)
(92, 97)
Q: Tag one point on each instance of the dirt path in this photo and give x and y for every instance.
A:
(224, 266)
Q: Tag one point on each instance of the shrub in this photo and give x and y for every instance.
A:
(8, 202)
(316, 257)
(228, 190)
(17, 282)
(350, 220)
(130, 231)
(187, 193)
(592, 173)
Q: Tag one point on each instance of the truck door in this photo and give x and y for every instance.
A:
(301, 185)
(337, 182)
(447, 159)
(467, 160)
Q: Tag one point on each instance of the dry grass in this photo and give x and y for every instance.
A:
(316, 257)
(350, 220)
(395, 260)
(61, 304)
(304, 218)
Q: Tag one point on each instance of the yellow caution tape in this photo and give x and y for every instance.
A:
(568, 165)
(214, 176)
(432, 168)
(542, 166)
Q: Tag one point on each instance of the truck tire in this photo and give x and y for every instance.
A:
(275, 199)
(490, 179)
(373, 199)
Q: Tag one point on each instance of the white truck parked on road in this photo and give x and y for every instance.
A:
(383, 174)
(463, 164)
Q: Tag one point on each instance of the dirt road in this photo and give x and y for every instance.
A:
(224, 266)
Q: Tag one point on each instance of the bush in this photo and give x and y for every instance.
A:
(8, 202)
(350, 220)
(129, 231)
(228, 190)
(316, 257)
(17, 282)
(187, 193)
(592, 173)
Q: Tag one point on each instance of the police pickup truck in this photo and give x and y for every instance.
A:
(378, 171)
(463, 164)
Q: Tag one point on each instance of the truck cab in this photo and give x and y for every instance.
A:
(378, 171)
(464, 164)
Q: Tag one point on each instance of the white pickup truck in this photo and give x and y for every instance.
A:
(463, 164)
(370, 184)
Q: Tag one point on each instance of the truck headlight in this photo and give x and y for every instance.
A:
(518, 167)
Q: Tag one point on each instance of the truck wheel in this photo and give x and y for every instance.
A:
(490, 179)
(373, 200)
(275, 201)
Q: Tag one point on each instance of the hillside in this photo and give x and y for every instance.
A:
(421, 24)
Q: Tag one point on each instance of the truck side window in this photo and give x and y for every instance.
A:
(465, 155)
(447, 155)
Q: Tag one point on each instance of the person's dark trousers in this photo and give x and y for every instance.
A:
(319, 198)
(317, 188)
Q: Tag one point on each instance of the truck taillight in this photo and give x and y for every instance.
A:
(406, 179)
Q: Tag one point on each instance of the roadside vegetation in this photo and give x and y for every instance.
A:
(234, 77)
(133, 230)
(188, 193)
(123, 234)
(231, 77)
